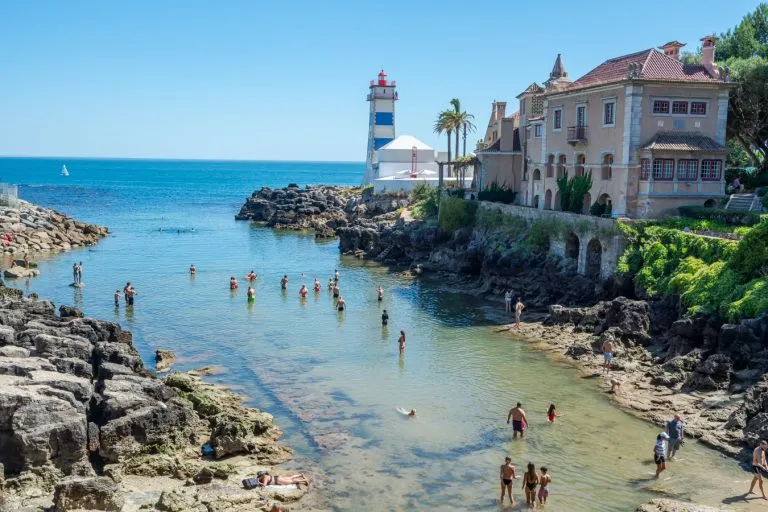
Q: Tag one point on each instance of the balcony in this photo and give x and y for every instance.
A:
(577, 134)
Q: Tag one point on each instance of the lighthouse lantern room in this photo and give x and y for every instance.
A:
(381, 122)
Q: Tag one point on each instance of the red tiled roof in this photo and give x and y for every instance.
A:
(674, 141)
(652, 65)
(514, 115)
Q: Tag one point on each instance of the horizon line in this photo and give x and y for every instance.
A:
(177, 159)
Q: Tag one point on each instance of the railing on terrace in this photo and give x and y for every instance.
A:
(577, 133)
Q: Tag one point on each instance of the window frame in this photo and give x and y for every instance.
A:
(678, 103)
(662, 168)
(556, 118)
(686, 174)
(718, 168)
(612, 103)
(660, 101)
(645, 169)
(697, 114)
(581, 107)
(537, 130)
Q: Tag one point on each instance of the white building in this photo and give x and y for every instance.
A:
(404, 162)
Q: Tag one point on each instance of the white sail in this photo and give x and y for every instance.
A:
(64, 171)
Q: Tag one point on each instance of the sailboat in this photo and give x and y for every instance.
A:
(64, 171)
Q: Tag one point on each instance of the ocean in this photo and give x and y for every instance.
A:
(334, 380)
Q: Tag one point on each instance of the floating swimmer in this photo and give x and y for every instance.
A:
(406, 412)
(251, 276)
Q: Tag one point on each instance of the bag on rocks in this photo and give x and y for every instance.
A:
(250, 483)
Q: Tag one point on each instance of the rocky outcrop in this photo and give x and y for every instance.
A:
(163, 360)
(78, 409)
(322, 209)
(34, 229)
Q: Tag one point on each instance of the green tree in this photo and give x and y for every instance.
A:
(748, 106)
(444, 124)
(579, 187)
(748, 39)
(565, 186)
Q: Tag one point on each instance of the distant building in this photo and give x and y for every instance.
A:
(650, 128)
(382, 96)
(499, 153)
(404, 162)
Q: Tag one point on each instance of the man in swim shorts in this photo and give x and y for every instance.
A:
(607, 354)
(384, 318)
(519, 420)
(544, 480)
(759, 467)
(284, 282)
(507, 474)
(519, 307)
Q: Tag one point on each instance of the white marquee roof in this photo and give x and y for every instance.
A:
(406, 142)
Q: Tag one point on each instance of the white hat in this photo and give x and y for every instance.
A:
(664, 435)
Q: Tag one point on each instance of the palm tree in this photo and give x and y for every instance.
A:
(444, 124)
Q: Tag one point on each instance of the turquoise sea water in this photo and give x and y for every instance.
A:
(333, 380)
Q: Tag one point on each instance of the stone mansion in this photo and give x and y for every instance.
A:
(649, 127)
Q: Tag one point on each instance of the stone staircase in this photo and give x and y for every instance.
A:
(744, 202)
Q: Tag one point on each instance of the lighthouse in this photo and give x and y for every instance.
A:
(381, 121)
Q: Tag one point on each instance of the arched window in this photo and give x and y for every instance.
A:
(607, 166)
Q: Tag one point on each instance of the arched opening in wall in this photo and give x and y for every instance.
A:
(536, 175)
(561, 166)
(550, 166)
(572, 245)
(556, 206)
(548, 200)
(606, 206)
(607, 166)
(536, 201)
(580, 161)
(586, 203)
(710, 203)
(594, 258)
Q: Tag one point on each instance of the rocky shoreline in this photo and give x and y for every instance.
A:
(83, 425)
(30, 229)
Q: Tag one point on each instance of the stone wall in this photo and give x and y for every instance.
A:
(593, 241)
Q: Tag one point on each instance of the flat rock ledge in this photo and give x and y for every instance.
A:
(665, 505)
(84, 426)
(31, 229)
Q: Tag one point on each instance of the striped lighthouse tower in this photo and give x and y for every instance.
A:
(381, 122)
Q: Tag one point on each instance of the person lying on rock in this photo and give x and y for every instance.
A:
(266, 479)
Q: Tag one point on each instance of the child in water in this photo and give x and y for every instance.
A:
(232, 283)
(380, 293)
(117, 298)
(551, 413)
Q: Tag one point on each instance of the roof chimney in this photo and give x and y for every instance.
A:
(501, 108)
(708, 53)
(672, 49)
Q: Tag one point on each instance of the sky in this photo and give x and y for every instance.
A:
(286, 80)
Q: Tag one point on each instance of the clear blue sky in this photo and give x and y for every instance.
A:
(287, 79)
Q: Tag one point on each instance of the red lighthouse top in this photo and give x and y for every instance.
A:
(382, 80)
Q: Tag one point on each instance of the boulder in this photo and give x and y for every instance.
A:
(234, 434)
(16, 272)
(712, 374)
(163, 360)
(95, 493)
(68, 311)
(667, 505)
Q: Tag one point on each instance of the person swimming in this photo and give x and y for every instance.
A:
(380, 294)
(406, 412)
(303, 291)
(251, 294)
(341, 305)
(232, 283)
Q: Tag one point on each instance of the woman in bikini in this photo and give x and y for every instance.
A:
(317, 285)
(544, 480)
(266, 479)
(530, 481)
(401, 341)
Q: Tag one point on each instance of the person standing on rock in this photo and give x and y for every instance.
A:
(759, 467)
(284, 282)
(519, 420)
(80, 273)
(607, 354)
(676, 433)
(507, 474)
(74, 273)
(508, 301)
(519, 307)
(660, 453)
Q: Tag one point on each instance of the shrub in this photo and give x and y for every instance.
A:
(457, 213)
(579, 188)
(733, 217)
(597, 209)
(750, 259)
(564, 186)
(426, 200)
(497, 194)
(764, 201)
(540, 232)
(752, 303)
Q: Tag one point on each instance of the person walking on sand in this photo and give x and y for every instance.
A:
(676, 432)
(660, 453)
(519, 420)
(401, 342)
(519, 307)
(507, 474)
(530, 481)
(508, 301)
(759, 467)
(607, 354)
(544, 480)
(192, 269)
